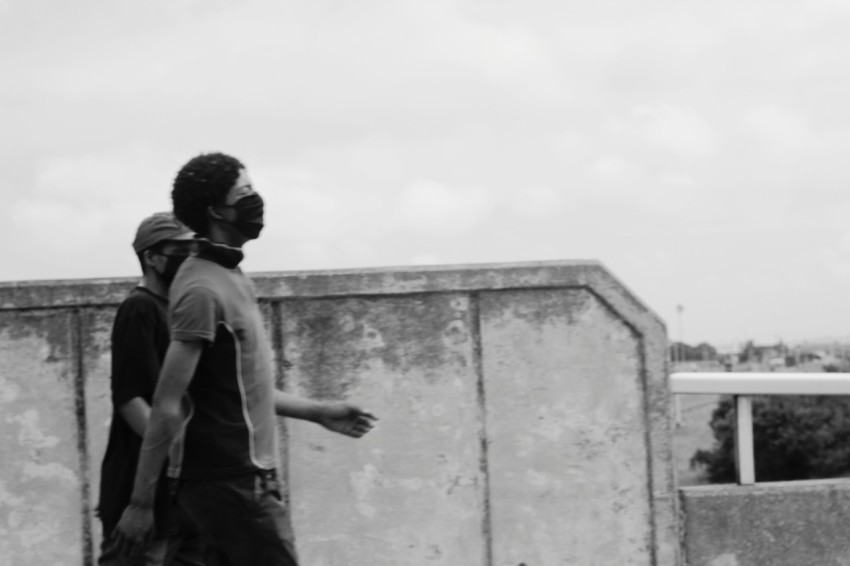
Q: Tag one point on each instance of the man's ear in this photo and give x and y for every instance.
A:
(149, 259)
(214, 213)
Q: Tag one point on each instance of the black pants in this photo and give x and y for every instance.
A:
(177, 542)
(242, 521)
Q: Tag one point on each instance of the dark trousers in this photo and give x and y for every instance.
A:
(242, 521)
(177, 543)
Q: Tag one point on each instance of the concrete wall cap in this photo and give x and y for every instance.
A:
(346, 282)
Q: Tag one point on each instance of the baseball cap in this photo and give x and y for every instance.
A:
(160, 227)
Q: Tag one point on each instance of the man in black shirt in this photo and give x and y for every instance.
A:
(140, 338)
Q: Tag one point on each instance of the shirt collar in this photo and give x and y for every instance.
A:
(222, 254)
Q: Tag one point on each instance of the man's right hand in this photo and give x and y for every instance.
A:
(134, 531)
(346, 419)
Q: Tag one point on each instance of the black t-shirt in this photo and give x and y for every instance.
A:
(139, 342)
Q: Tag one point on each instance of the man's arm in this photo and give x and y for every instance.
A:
(343, 418)
(136, 525)
(136, 412)
(135, 362)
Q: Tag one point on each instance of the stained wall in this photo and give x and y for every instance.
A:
(523, 416)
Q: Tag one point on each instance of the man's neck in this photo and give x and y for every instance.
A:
(222, 254)
(221, 235)
(154, 284)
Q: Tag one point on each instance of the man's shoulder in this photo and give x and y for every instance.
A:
(141, 299)
(198, 285)
(140, 310)
(197, 272)
(198, 275)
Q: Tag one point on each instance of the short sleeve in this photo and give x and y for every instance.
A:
(193, 314)
(135, 363)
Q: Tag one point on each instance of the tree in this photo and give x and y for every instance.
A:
(795, 437)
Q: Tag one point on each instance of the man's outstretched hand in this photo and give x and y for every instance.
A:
(134, 531)
(346, 419)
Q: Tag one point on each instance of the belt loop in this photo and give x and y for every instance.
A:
(174, 485)
(259, 488)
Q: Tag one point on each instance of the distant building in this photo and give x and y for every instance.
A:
(771, 355)
(681, 352)
(819, 358)
(753, 357)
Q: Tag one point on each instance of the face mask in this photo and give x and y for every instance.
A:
(172, 264)
(249, 215)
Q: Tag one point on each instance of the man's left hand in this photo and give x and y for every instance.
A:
(134, 531)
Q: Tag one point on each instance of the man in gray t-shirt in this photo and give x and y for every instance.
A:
(216, 400)
(215, 304)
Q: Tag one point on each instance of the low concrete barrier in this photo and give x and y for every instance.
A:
(524, 416)
(777, 524)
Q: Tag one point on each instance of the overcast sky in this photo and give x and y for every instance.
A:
(698, 149)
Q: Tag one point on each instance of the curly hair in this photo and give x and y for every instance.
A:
(202, 182)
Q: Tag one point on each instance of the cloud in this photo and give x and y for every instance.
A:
(538, 202)
(130, 171)
(778, 128)
(837, 256)
(308, 212)
(319, 216)
(677, 129)
(54, 239)
(426, 259)
(389, 132)
(82, 225)
(615, 177)
(676, 180)
(512, 56)
(82, 211)
(611, 167)
(439, 210)
(300, 64)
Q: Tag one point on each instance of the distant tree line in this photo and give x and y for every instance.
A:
(795, 438)
(829, 357)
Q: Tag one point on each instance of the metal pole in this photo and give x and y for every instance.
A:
(677, 410)
(679, 310)
(744, 452)
(677, 401)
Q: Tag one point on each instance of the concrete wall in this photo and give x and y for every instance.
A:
(780, 524)
(524, 416)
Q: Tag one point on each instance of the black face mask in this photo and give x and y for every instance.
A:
(249, 215)
(172, 264)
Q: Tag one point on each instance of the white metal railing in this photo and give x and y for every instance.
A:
(743, 386)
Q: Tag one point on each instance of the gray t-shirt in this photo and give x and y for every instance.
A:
(230, 427)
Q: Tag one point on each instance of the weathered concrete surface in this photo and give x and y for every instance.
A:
(71, 293)
(566, 423)
(524, 413)
(775, 524)
(96, 329)
(412, 491)
(41, 484)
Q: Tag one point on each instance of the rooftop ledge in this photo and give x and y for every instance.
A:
(346, 282)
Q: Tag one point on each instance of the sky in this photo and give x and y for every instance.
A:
(697, 149)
